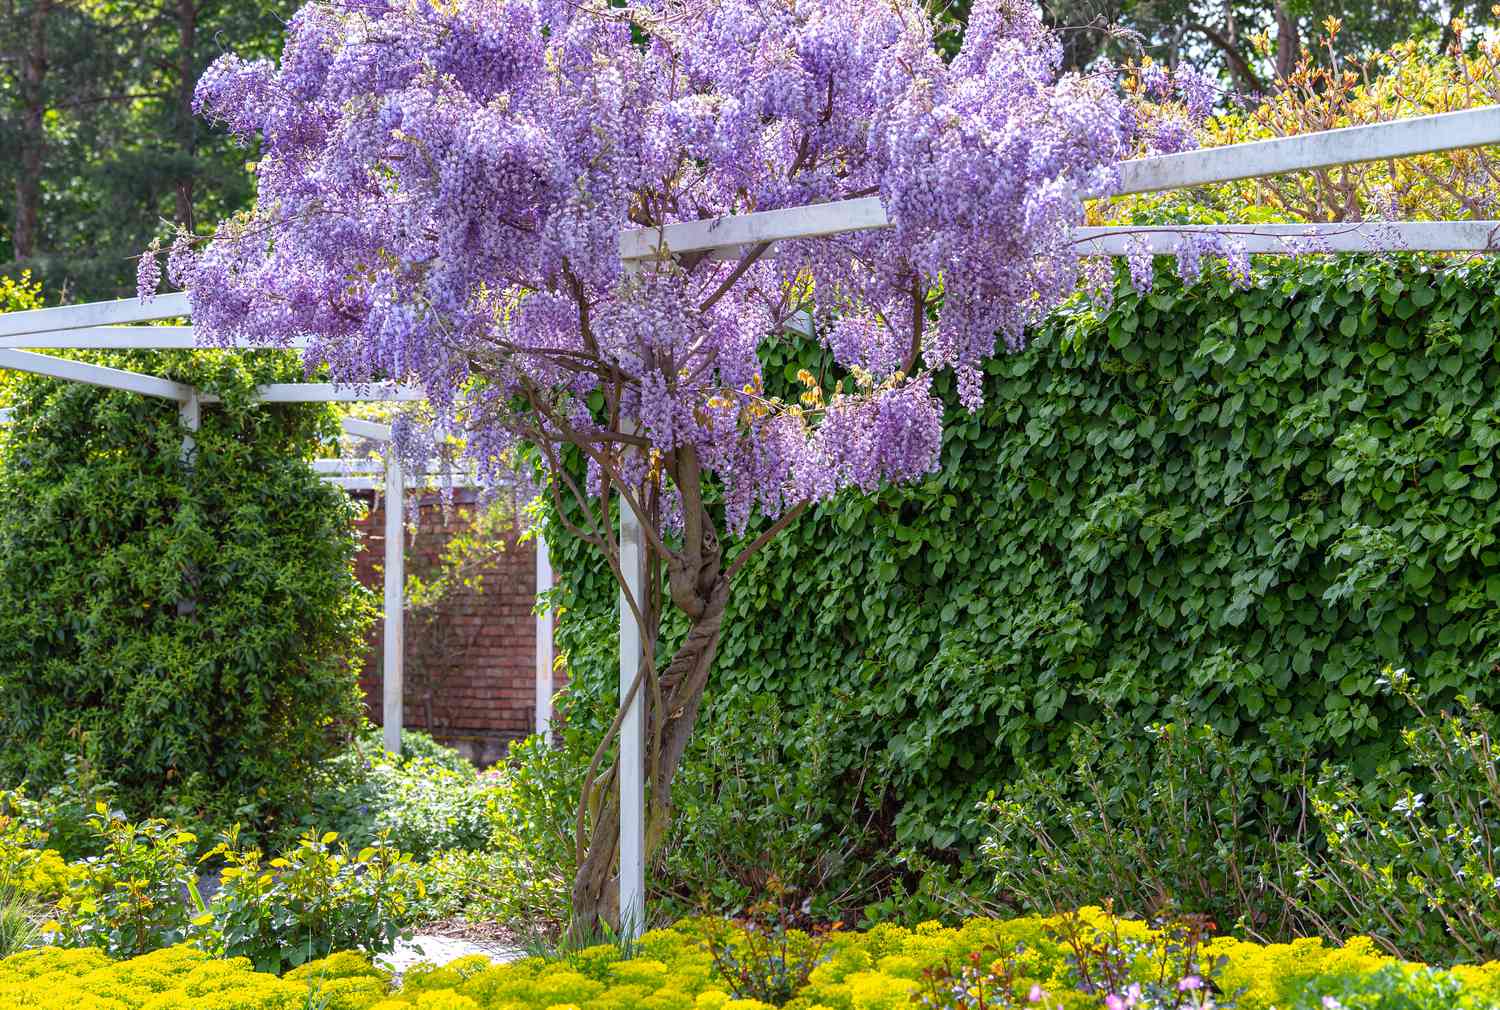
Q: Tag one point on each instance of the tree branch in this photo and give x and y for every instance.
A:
(1238, 66)
(918, 322)
(746, 262)
(787, 518)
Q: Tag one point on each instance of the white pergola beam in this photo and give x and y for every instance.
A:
(1299, 239)
(544, 632)
(392, 690)
(95, 375)
(90, 314)
(812, 221)
(632, 756)
(376, 482)
(132, 338)
(1399, 138)
(335, 392)
(150, 385)
(1403, 137)
(166, 338)
(372, 430)
(356, 467)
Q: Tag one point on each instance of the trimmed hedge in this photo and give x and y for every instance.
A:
(191, 631)
(1209, 504)
(673, 969)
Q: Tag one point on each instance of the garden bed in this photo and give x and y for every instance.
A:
(1079, 960)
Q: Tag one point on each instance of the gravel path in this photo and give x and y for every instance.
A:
(439, 950)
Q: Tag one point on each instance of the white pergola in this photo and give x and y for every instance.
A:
(107, 325)
(114, 325)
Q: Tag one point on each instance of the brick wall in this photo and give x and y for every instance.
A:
(470, 676)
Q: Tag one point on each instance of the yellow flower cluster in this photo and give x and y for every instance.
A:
(671, 969)
(1261, 971)
(37, 873)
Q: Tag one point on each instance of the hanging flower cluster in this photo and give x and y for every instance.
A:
(443, 187)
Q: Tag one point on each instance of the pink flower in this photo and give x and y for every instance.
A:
(1189, 982)
(1036, 995)
(1113, 1002)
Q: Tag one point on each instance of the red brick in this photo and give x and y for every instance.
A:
(470, 674)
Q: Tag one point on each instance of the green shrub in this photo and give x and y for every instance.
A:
(1174, 825)
(193, 628)
(755, 819)
(1405, 858)
(427, 800)
(134, 897)
(1410, 858)
(524, 876)
(140, 892)
(1205, 505)
(61, 814)
(1390, 988)
(312, 900)
(20, 295)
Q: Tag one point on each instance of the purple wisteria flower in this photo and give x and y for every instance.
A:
(442, 190)
(148, 273)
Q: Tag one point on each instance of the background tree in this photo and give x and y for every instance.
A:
(1223, 33)
(96, 98)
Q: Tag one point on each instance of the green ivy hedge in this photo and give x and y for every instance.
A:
(190, 631)
(1229, 505)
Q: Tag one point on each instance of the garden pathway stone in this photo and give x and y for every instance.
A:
(439, 950)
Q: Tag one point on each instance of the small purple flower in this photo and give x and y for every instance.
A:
(1189, 250)
(1189, 983)
(1237, 259)
(1197, 91)
(1171, 134)
(1036, 995)
(1154, 80)
(1114, 1002)
(148, 273)
(1142, 265)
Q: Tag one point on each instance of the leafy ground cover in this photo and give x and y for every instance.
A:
(1082, 960)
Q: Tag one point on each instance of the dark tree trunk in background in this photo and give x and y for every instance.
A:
(26, 237)
(187, 127)
(1288, 43)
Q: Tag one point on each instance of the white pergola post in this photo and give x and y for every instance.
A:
(544, 658)
(190, 413)
(632, 732)
(392, 688)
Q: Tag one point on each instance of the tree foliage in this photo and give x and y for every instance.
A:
(193, 630)
(1235, 506)
(1252, 44)
(96, 104)
(1406, 80)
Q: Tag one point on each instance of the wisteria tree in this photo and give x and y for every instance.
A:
(442, 190)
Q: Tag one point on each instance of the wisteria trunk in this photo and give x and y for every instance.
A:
(596, 892)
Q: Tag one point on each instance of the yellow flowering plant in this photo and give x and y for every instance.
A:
(1029, 962)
